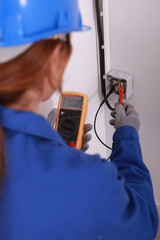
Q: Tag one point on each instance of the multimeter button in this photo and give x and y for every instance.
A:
(71, 144)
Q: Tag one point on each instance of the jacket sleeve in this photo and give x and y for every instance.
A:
(140, 214)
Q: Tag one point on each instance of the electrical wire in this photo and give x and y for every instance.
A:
(95, 130)
(95, 119)
(109, 106)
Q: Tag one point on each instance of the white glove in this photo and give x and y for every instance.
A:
(52, 117)
(125, 115)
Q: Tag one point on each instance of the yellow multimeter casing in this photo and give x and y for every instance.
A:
(72, 110)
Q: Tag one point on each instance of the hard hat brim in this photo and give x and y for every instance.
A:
(42, 35)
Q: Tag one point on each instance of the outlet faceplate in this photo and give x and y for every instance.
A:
(125, 79)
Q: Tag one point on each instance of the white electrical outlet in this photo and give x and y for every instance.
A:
(125, 79)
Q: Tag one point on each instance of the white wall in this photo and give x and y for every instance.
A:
(135, 48)
(81, 75)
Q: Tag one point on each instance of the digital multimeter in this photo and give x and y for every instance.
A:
(72, 110)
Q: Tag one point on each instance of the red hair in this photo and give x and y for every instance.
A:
(22, 73)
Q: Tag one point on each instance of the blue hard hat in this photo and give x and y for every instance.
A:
(24, 21)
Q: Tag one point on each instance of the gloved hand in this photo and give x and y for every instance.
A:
(52, 117)
(125, 115)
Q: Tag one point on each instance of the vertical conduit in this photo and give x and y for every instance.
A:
(98, 4)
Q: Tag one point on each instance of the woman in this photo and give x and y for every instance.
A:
(49, 190)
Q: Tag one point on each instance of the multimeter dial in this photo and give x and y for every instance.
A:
(68, 124)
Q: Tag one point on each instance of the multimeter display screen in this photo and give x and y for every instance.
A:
(72, 102)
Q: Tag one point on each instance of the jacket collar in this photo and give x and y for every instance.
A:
(28, 123)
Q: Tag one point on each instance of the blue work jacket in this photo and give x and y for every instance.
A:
(53, 192)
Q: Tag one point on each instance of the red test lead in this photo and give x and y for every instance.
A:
(72, 144)
(121, 95)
